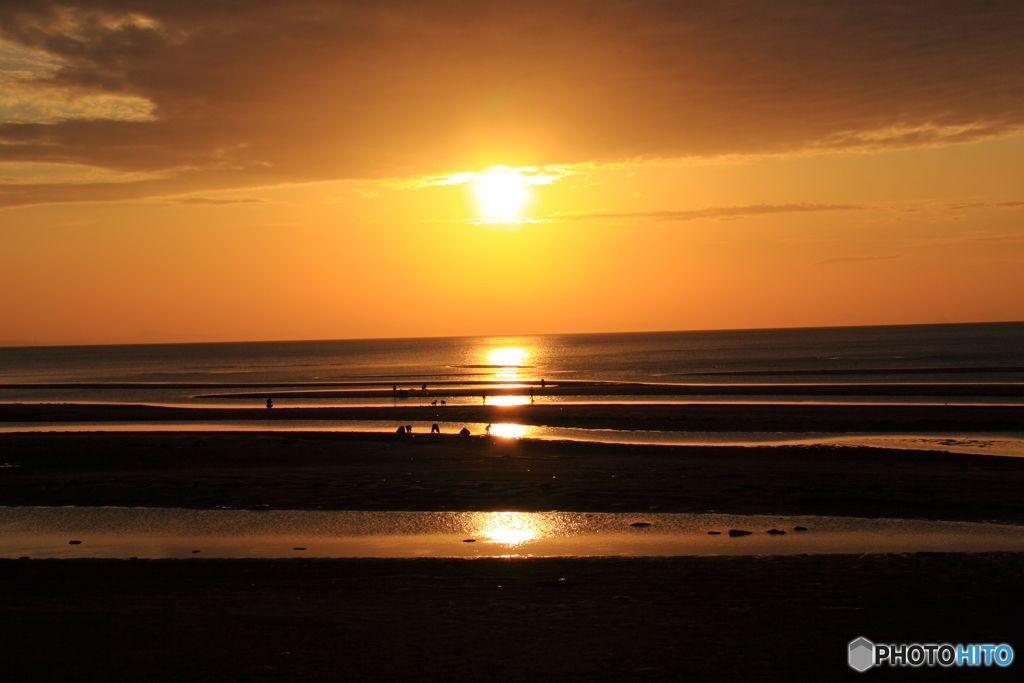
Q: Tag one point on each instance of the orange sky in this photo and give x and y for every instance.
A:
(191, 171)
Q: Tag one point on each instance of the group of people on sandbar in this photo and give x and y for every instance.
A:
(406, 430)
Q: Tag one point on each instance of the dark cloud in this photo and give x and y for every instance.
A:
(853, 259)
(266, 92)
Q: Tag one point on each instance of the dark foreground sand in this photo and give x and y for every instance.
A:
(666, 619)
(672, 619)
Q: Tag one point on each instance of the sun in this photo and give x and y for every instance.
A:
(501, 192)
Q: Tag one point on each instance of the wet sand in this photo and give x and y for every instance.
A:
(315, 470)
(667, 619)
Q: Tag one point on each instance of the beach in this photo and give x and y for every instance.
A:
(578, 619)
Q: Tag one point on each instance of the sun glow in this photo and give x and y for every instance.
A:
(501, 192)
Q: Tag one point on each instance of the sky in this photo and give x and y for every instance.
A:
(194, 170)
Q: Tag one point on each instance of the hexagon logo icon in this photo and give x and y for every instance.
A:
(862, 654)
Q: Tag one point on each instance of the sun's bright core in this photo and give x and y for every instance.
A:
(501, 192)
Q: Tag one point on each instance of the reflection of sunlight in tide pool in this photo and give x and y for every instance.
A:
(509, 431)
(508, 400)
(509, 528)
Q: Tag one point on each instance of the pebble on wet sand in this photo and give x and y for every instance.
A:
(739, 532)
(74, 542)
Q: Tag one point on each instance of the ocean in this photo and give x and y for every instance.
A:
(967, 353)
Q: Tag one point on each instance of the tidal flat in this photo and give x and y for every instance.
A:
(511, 619)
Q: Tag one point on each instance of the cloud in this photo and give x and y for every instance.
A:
(986, 205)
(715, 212)
(854, 259)
(206, 201)
(222, 95)
(1000, 238)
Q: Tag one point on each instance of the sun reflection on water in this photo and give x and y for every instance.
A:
(509, 431)
(511, 528)
(509, 356)
(508, 400)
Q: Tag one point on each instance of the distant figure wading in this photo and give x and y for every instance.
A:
(270, 403)
(435, 429)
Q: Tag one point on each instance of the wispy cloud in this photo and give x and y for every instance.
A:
(855, 259)
(207, 201)
(1000, 238)
(715, 212)
(986, 205)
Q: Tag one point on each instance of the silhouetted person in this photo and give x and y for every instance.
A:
(435, 429)
(542, 383)
(270, 403)
(463, 432)
(424, 388)
(487, 429)
(394, 388)
(408, 429)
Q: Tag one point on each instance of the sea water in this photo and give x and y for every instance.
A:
(183, 373)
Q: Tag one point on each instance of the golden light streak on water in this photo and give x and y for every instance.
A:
(509, 431)
(508, 400)
(510, 528)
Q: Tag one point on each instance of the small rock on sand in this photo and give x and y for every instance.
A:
(714, 533)
(470, 540)
(74, 542)
(640, 524)
(739, 532)
(799, 528)
(776, 532)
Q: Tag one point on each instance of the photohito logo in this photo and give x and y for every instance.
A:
(863, 654)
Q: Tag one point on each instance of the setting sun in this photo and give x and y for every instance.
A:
(501, 192)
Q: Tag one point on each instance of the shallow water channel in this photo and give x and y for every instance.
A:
(1007, 444)
(42, 532)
